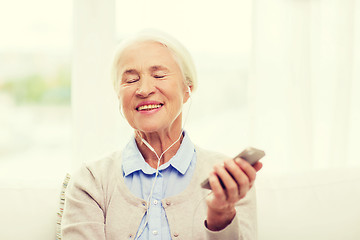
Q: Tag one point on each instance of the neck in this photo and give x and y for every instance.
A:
(160, 143)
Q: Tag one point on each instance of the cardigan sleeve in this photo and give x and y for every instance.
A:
(244, 224)
(83, 217)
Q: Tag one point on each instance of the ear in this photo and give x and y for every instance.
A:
(188, 93)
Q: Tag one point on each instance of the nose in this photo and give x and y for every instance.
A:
(145, 88)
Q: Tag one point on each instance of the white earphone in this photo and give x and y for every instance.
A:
(138, 234)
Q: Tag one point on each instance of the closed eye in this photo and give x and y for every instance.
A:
(132, 80)
(130, 76)
(159, 76)
(159, 71)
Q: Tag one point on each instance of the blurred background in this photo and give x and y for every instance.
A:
(281, 75)
(35, 89)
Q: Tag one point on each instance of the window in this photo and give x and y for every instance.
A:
(35, 72)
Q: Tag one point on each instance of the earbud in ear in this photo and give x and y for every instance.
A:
(189, 91)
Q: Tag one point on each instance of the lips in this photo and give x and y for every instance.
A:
(148, 106)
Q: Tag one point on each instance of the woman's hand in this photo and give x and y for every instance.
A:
(221, 203)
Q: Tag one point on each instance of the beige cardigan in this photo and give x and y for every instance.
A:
(98, 205)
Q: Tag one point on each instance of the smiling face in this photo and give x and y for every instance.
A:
(152, 90)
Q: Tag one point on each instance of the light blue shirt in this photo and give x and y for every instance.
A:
(174, 176)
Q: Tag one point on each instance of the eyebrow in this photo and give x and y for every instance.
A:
(152, 69)
(129, 71)
(158, 67)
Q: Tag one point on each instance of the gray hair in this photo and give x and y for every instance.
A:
(180, 53)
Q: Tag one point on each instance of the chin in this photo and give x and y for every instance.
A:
(155, 125)
(149, 127)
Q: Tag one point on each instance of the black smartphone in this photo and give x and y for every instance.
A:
(250, 154)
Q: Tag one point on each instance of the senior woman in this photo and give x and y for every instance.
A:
(151, 189)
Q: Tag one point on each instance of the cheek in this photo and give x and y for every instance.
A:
(177, 102)
(126, 108)
(125, 102)
(125, 96)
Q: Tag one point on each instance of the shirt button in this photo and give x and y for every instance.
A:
(130, 235)
(155, 232)
(155, 202)
(168, 203)
(176, 234)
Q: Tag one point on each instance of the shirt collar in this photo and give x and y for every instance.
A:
(134, 161)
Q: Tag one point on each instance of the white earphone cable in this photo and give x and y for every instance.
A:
(148, 203)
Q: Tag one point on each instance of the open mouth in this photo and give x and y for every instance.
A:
(149, 107)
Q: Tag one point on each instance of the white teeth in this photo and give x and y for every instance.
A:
(149, 107)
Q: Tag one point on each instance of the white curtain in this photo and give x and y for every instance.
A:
(95, 116)
(304, 89)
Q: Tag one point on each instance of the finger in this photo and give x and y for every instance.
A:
(216, 187)
(258, 166)
(241, 178)
(232, 189)
(235, 171)
(247, 169)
